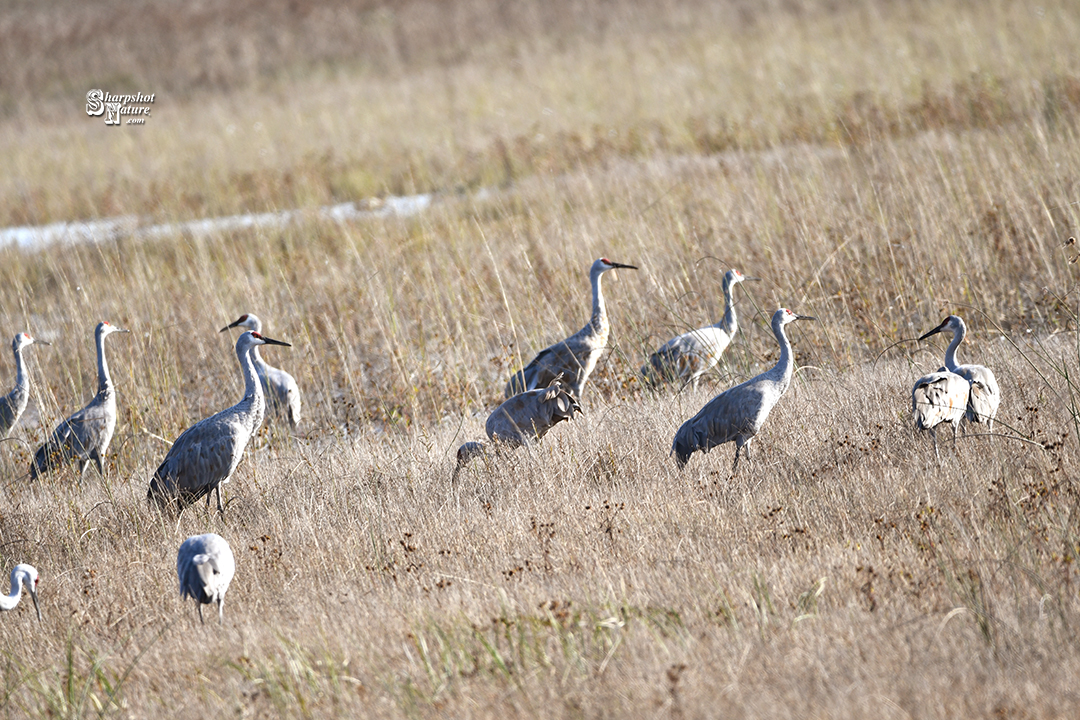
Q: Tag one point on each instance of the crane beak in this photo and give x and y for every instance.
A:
(229, 326)
(936, 330)
(33, 596)
(620, 265)
(42, 342)
(272, 341)
(805, 317)
(754, 279)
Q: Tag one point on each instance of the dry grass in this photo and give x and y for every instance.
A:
(930, 166)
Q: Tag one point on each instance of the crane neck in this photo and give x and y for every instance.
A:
(22, 380)
(256, 358)
(104, 380)
(729, 323)
(950, 353)
(8, 602)
(598, 321)
(253, 391)
(784, 367)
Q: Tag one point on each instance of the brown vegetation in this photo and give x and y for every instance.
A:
(878, 164)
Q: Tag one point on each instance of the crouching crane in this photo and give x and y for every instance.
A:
(984, 396)
(205, 566)
(526, 417)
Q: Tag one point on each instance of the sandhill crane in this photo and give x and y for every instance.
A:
(206, 454)
(739, 412)
(523, 418)
(984, 395)
(690, 355)
(23, 576)
(86, 435)
(575, 357)
(13, 404)
(205, 566)
(282, 392)
(940, 397)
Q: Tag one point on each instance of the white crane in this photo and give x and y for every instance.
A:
(86, 435)
(523, 418)
(206, 454)
(940, 397)
(984, 396)
(282, 392)
(690, 355)
(13, 404)
(739, 412)
(575, 357)
(23, 576)
(205, 566)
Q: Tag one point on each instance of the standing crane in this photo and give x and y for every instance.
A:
(984, 396)
(13, 404)
(282, 392)
(523, 418)
(739, 412)
(205, 566)
(575, 357)
(22, 576)
(940, 397)
(86, 435)
(207, 453)
(692, 354)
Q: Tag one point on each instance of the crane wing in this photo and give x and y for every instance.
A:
(204, 456)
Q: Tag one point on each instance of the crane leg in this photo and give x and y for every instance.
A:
(735, 465)
(221, 611)
(96, 457)
(218, 491)
(200, 614)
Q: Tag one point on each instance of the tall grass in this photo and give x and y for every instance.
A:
(878, 165)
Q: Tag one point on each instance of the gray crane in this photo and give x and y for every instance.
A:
(940, 397)
(575, 357)
(985, 396)
(689, 356)
(86, 435)
(22, 577)
(738, 413)
(207, 453)
(13, 404)
(523, 418)
(205, 566)
(282, 392)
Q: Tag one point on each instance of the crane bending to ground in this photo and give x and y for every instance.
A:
(205, 566)
(575, 357)
(738, 413)
(207, 453)
(984, 397)
(282, 392)
(22, 576)
(523, 418)
(689, 356)
(940, 397)
(86, 435)
(13, 404)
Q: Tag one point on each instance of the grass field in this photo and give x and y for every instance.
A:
(880, 165)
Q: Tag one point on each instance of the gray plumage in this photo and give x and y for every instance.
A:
(205, 566)
(526, 417)
(22, 577)
(574, 358)
(13, 404)
(86, 435)
(282, 392)
(738, 413)
(984, 396)
(940, 397)
(207, 453)
(687, 357)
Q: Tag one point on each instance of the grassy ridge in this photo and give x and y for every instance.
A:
(878, 164)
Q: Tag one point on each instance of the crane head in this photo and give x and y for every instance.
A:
(465, 454)
(24, 340)
(106, 328)
(734, 276)
(263, 340)
(953, 323)
(247, 320)
(784, 316)
(27, 577)
(603, 265)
